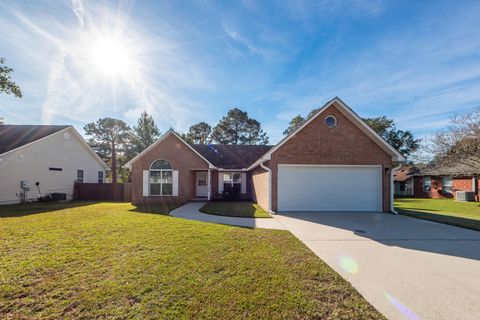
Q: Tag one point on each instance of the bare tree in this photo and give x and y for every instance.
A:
(459, 144)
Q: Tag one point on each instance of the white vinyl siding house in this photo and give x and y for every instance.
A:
(49, 165)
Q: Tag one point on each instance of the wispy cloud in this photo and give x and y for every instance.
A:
(79, 11)
(411, 61)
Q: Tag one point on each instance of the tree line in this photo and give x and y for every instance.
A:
(116, 142)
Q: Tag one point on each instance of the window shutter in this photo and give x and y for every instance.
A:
(220, 182)
(145, 183)
(175, 183)
(244, 182)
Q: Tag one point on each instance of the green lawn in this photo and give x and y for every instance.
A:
(235, 209)
(462, 214)
(111, 260)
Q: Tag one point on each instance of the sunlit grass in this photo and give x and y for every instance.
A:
(235, 209)
(462, 214)
(112, 260)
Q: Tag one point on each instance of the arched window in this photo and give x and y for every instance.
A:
(161, 178)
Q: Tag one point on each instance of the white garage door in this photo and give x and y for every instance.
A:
(329, 188)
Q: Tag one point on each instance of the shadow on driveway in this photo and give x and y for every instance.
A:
(388, 229)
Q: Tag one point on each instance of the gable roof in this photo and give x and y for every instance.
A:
(231, 156)
(16, 136)
(150, 147)
(404, 173)
(352, 116)
(456, 170)
(13, 137)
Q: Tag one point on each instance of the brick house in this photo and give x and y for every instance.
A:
(443, 182)
(403, 181)
(333, 162)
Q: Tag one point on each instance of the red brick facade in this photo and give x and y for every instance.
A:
(459, 184)
(317, 144)
(182, 158)
(344, 144)
(260, 187)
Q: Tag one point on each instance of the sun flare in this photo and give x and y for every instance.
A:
(111, 57)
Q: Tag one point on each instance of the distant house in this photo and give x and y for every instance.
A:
(443, 182)
(403, 181)
(40, 160)
(433, 181)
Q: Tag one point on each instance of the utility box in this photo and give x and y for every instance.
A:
(465, 196)
(57, 196)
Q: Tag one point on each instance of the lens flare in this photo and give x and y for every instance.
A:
(409, 314)
(349, 264)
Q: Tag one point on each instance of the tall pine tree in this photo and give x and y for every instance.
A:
(144, 134)
(238, 128)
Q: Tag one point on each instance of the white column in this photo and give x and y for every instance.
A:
(209, 185)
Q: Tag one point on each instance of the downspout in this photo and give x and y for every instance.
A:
(262, 165)
(392, 189)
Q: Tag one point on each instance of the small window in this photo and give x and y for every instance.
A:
(447, 185)
(232, 182)
(55, 169)
(402, 185)
(79, 176)
(100, 176)
(427, 183)
(331, 121)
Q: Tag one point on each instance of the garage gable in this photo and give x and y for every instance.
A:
(344, 143)
(349, 141)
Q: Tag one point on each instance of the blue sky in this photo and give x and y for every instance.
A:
(188, 61)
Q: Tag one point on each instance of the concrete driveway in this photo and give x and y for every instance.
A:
(405, 267)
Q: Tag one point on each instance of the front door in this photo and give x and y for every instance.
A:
(201, 182)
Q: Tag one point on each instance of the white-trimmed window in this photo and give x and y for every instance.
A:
(79, 176)
(232, 182)
(100, 177)
(331, 121)
(427, 183)
(447, 184)
(161, 178)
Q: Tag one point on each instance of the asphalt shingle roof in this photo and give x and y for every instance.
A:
(14, 136)
(231, 156)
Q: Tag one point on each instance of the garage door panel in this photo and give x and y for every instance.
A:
(319, 188)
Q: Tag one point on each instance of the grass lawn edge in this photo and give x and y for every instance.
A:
(207, 209)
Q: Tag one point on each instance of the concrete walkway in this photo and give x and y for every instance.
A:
(405, 267)
(191, 211)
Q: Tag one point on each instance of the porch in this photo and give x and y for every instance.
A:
(226, 185)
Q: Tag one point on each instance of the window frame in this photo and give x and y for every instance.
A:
(231, 180)
(160, 173)
(427, 187)
(448, 186)
(78, 179)
(102, 178)
(331, 117)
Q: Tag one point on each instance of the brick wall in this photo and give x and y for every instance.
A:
(181, 157)
(260, 187)
(345, 144)
(459, 184)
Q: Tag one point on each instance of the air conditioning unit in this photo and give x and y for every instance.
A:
(465, 196)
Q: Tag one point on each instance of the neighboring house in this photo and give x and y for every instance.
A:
(333, 162)
(443, 182)
(403, 181)
(48, 159)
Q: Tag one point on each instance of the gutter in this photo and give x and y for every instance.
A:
(392, 189)
(262, 165)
